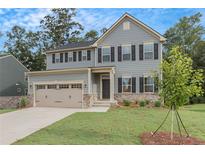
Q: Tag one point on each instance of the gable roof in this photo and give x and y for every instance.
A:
(3, 56)
(137, 22)
(89, 44)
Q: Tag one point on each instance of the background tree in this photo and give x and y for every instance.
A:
(59, 28)
(180, 81)
(186, 34)
(103, 30)
(22, 44)
(91, 35)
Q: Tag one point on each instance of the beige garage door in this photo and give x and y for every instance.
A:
(59, 95)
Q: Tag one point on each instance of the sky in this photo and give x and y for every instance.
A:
(158, 19)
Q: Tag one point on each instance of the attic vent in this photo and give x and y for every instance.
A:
(126, 25)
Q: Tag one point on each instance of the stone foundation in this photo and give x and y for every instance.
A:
(136, 97)
(87, 99)
(12, 101)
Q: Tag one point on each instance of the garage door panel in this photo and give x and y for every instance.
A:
(65, 97)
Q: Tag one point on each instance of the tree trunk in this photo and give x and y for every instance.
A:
(172, 123)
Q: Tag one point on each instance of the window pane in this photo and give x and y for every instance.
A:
(106, 54)
(126, 88)
(126, 52)
(126, 81)
(148, 51)
(149, 88)
(149, 80)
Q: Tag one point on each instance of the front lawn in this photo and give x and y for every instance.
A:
(6, 110)
(117, 126)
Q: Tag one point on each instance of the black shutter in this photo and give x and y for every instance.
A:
(156, 82)
(141, 81)
(119, 53)
(74, 56)
(156, 51)
(133, 53)
(119, 85)
(79, 55)
(99, 55)
(134, 84)
(88, 55)
(53, 58)
(141, 52)
(61, 57)
(112, 54)
(66, 57)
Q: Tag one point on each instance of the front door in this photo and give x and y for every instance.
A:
(105, 88)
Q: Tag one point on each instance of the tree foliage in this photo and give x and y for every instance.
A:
(180, 80)
(59, 28)
(91, 35)
(186, 34)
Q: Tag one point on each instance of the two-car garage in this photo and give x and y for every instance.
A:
(58, 95)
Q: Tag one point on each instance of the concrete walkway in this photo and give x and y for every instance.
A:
(21, 123)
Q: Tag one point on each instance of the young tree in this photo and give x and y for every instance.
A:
(59, 28)
(91, 35)
(180, 81)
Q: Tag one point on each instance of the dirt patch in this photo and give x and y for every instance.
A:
(163, 138)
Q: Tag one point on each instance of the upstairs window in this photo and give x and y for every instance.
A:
(106, 54)
(126, 52)
(70, 56)
(61, 57)
(148, 50)
(126, 25)
(84, 55)
(148, 84)
(53, 58)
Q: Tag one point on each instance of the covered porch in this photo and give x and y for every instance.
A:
(101, 85)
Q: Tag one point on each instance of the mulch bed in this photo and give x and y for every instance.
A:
(163, 138)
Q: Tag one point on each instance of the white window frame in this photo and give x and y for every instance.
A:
(127, 77)
(144, 52)
(84, 55)
(103, 54)
(127, 45)
(70, 55)
(148, 84)
(126, 25)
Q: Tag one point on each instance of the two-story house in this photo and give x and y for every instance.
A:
(117, 66)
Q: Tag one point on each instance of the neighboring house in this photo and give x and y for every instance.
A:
(119, 65)
(12, 76)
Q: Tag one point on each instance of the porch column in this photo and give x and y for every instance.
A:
(34, 94)
(89, 81)
(112, 72)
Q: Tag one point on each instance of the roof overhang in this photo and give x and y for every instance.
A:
(65, 71)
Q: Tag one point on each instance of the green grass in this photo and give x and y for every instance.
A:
(117, 126)
(6, 110)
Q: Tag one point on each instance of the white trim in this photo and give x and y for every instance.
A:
(89, 81)
(101, 78)
(148, 43)
(127, 45)
(128, 77)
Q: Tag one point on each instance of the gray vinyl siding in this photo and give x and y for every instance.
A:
(77, 64)
(137, 68)
(61, 77)
(12, 77)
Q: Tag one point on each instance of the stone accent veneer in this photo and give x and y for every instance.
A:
(136, 97)
(12, 101)
(87, 100)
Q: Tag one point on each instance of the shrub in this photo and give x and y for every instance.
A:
(146, 102)
(197, 100)
(126, 102)
(23, 102)
(157, 103)
(142, 103)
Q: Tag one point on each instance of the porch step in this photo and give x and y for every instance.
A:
(100, 103)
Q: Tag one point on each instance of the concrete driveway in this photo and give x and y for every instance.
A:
(21, 123)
